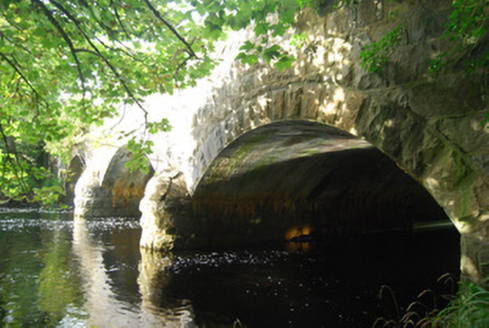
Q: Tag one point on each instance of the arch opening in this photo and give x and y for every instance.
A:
(75, 170)
(125, 188)
(118, 194)
(298, 179)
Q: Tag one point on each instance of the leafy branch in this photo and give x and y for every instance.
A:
(67, 40)
(374, 55)
(170, 27)
(23, 77)
(96, 50)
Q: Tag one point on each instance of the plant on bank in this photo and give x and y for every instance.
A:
(442, 306)
(469, 308)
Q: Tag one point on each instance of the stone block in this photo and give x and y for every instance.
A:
(294, 101)
(370, 12)
(427, 25)
(454, 95)
(278, 104)
(467, 133)
(312, 97)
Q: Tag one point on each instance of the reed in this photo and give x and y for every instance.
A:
(423, 311)
(469, 308)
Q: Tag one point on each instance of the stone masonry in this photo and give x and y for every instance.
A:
(430, 126)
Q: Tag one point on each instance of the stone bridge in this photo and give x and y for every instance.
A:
(324, 148)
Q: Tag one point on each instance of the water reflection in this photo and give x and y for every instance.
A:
(103, 308)
(56, 270)
(152, 281)
(104, 305)
(59, 271)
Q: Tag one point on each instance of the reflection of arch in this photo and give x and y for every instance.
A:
(105, 306)
(296, 177)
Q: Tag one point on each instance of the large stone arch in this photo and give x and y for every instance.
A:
(292, 178)
(430, 127)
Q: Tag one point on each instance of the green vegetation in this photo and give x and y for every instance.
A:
(374, 55)
(469, 308)
(67, 65)
(466, 28)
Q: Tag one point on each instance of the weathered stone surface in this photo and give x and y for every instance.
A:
(167, 219)
(451, 96)
(118, 194)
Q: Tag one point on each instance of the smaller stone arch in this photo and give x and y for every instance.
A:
(73, 174)
(119, 192)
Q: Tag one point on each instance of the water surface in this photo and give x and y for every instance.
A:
(58, 271)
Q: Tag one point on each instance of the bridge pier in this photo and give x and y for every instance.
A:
(167, 213)
(474, 262)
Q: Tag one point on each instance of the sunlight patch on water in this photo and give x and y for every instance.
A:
(11, 222)
(218, 259)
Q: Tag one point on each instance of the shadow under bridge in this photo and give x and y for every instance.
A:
(297, 179)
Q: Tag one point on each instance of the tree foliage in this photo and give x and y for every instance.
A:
(66, 65)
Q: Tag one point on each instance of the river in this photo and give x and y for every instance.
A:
(56, 271)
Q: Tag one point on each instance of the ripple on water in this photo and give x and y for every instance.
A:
(18, 220)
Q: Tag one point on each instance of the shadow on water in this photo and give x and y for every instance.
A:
(56, 271)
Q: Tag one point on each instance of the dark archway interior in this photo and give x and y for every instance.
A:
(295, 178)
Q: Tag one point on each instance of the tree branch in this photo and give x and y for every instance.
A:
(16, 156)
(119, 18)
(67, 39)
(171, 28)
(112, 68)
(17, 69)
(179, 67)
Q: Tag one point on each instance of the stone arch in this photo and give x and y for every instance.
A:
(75, 169)
(119, 192)
(292, 178)
(398, 121)
(431, 128)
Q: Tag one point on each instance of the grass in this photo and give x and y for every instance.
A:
(469, 307)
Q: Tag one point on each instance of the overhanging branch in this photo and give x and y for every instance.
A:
(23, 77)
(170, 27)
(65, 37)
(95, 49)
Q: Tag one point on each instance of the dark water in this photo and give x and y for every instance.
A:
(57, 271)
